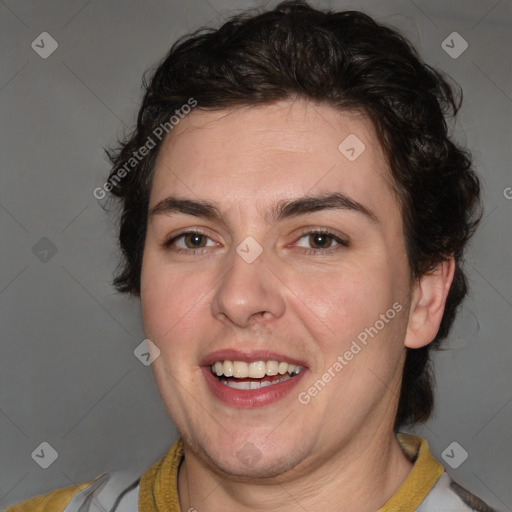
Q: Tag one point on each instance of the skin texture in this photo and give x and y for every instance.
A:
(307, 306)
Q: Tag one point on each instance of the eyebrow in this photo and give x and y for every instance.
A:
(282, 210)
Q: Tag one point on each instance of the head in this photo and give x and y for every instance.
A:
(261, 109)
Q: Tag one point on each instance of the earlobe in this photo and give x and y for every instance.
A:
(427, 304)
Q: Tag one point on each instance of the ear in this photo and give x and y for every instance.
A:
(427, 304)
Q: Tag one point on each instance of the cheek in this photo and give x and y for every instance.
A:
(347, 309)
(165, 296)
(175, 307)
(343, 298)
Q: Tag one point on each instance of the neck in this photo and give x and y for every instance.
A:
(359, 477)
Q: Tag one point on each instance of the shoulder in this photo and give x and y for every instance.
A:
(105, 492)
(55, 501)
(117, 489)
(449, 496)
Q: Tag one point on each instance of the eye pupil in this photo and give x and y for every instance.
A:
(320, 239)
(195, 239)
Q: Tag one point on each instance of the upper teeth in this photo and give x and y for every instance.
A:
(254, 370)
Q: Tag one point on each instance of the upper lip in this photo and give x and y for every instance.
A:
(230, 354)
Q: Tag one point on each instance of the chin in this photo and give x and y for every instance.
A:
(253, 457)
(267, 467)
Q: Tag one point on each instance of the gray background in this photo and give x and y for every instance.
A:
(68, 373)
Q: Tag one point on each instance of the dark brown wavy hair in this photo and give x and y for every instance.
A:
(348, 61)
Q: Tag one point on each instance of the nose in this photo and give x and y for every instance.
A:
(248, 292)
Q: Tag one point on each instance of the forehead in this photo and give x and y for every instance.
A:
(271, 152)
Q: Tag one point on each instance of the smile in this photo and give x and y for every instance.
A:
(254, 375)
(261, 379)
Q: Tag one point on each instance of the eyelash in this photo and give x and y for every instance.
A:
(341, 243)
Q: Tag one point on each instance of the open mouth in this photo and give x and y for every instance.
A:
(255, 375)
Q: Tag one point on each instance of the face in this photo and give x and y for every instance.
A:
(299, 305)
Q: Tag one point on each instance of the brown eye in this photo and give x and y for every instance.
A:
(320, 240)
(189, 242)
(194, 240)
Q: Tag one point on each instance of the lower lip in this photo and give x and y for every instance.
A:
(246, 399)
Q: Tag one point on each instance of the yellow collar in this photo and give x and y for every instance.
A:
(158, 488)
(423, 476)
